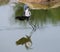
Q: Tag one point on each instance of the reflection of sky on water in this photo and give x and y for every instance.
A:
(44, 40)
(5, 12)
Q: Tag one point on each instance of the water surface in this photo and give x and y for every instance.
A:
(45, 39)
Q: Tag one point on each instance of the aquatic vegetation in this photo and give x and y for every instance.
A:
(19, 6)
(43, 16)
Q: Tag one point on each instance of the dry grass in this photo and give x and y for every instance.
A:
(3, 2)
(40, 6)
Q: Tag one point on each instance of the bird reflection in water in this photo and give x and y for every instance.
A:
(25, 41)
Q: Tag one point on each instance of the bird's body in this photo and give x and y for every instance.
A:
(26, 15)
(22, 18)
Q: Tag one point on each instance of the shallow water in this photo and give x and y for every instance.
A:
(45, 39)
